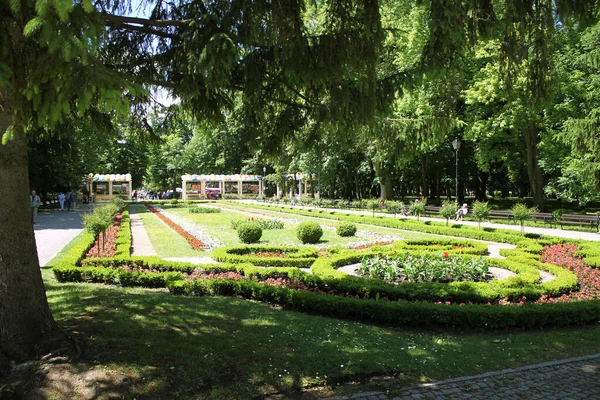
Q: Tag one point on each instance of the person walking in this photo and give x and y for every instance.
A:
(61, 201)
(35, 204)
(73, 197)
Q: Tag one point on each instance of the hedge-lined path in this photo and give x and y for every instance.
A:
(574, 378)
(140, 242)
(55, 229)
(193, 260)
(594, 236)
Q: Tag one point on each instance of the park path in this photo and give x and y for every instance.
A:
(594, 236)
(55, 229)
(574, 378)
(140, 242)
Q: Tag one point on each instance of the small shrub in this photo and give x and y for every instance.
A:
(309, 232)
(448, 210)
(174, 201)
(418, 208)
(523, 213)
(249, 232)
(346, 229)
(481, 211)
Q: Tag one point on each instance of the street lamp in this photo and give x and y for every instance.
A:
(456, 146)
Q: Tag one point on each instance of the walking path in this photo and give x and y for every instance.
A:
(528, 229)
(55, 229)
(140, 242)
(574, 378)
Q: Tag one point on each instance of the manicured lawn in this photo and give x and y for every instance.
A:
(219, 226)
(227, 348)
(166, 242)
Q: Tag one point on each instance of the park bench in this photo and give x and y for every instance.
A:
(578, 219)
(501, 214)
(432, 210)
(546, 218)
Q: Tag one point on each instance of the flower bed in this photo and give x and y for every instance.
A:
(107, 246)
(425, 268)
(192, 240)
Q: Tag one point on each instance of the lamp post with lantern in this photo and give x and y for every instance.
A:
(456, 146)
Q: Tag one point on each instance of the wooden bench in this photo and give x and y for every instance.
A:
(432, 210)
(578, 219)
(546, 218)
(501, 214)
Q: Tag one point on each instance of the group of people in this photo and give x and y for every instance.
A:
(69, 200)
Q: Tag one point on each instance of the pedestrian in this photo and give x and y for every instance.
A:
(61, 201)
(460, 214)
(68, 201)
(35, 204)
(73, 197)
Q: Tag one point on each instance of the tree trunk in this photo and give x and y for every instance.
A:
(387, 191)
(534, 172)
(26, 324)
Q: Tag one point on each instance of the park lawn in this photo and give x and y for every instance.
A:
(228, 348)
(165, 241)
(219, 226)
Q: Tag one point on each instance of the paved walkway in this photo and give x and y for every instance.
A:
(528, 229)
(140, 242)
(575, 378)
(55, 229)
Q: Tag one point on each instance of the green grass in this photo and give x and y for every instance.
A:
(227, 348)
(219, 226)
(165, 241)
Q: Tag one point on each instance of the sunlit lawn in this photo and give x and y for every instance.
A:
(228, 348)
(165, 241)
(218, 225)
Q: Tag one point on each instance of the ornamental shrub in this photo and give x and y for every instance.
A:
(523, 213)
(309, 232)
(418, 208)
(481, 211)
(448, 210)
(346, 229)
(249, 232)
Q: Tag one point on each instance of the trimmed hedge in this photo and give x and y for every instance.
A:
(295, 257)
(249, 232)
(309, 232)
(346, 229)
(400, 313)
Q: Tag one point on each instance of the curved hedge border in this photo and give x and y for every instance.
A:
(449, 245)
(295, 256)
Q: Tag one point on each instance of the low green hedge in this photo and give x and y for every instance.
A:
(470, 247)
(295, 257)
(411, 314)
(124, 236)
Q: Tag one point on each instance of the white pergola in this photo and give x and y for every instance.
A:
(110, 179)
(240, 179)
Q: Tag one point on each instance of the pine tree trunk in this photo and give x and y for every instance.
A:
(534, 172)
(26, 324)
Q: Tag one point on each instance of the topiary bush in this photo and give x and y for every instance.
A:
(346, 229)
(308, 232)
(249, 232)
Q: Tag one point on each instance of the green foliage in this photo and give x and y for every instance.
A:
(273, 256)
(522, 213)
(427, 267)
(309, 232)
(174, 202)
(448, 210)
(418, 208)
(346, 229)
(204, 210)
(265, 224)
(481, 211)
(249, 232)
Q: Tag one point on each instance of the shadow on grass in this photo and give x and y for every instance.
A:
(227, 348)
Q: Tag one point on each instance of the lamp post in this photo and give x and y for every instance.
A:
(456, 146)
